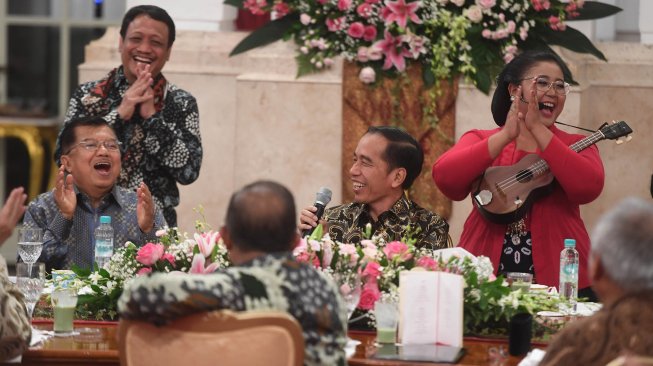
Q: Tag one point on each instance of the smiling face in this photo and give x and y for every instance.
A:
(145, 43)
(550, 102)
(95, 171)
(373, 182)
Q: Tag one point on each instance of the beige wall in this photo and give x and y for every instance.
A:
(259, 122)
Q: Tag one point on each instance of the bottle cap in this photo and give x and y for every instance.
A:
(105, 219)
(570, 243)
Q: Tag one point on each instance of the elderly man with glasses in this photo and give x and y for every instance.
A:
(85, 190)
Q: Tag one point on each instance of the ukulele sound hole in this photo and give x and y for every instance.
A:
(524, 175)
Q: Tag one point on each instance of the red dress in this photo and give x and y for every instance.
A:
(579, 179)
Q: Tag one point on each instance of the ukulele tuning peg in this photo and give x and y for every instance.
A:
(629, 137)
(619, 141)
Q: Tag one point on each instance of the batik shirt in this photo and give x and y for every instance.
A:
(161, 150)
(15, 330)
(346, 223)
(67, 242)
(269, 282)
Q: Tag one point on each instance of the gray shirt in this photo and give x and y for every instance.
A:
(68, 242)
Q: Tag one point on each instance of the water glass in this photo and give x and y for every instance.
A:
(519, 281)
(349, 285)
(30, 244)
(386, 313)
(64, 301)
(30, 279)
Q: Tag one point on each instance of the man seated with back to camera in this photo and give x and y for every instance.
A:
(622, 277)
(260, 233)
(15, 329)
(85, 190)
(387, 161)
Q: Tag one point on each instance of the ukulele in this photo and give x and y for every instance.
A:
(505, 194)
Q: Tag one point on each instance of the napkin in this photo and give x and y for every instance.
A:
(533, 358)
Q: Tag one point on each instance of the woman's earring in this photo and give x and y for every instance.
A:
(512, 98)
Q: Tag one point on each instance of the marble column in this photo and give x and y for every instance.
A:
(197, 15)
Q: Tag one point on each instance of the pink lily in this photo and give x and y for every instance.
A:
(400, 12)
(197, 267)
(207, 241)
(393, 50)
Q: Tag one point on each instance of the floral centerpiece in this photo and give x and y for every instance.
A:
(174, 252)
(471, 38)
(488, 300)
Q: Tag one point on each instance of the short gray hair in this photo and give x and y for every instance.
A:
(623, 239)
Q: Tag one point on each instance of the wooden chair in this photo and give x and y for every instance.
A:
(214, 338)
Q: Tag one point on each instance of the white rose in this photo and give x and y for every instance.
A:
(474, 13)
(458, 2)
(367, 75)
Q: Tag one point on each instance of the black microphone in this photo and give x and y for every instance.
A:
(322, 198)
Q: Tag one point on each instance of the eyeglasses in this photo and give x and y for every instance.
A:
(93, 145)
(542, 84)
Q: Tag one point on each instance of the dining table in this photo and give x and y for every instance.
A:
(95, 343)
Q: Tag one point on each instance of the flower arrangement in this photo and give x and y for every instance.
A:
(487, 299)
(174, 252)
(471, 38)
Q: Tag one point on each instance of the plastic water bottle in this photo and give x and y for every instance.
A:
(103, 241)
(569, 275)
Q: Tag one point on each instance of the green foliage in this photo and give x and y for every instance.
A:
(268, 33)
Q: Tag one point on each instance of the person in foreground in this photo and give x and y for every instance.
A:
(387, 161)
(157, 121)
(622, 276)
(260, 233)
(15, 329)
(530, 95)
(86, 189)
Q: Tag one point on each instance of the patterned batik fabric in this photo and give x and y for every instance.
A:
(346, 223)
(161, 150)
(68, 242)
(15, 329)
(620, 328)
(517, 253)
(270, 282)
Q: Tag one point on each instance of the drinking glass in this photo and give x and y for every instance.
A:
(349, 285)
(30, 279)
(519, 281)
(30, 244)
(64, 301)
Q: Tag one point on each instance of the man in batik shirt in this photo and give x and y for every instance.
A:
(260, 233)
(86, 189)
(157, 122)
(387, 161)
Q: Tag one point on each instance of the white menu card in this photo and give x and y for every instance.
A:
(431, 308)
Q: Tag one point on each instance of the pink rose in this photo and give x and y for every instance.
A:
(344, 4)
(374, 53)
(282, 9)
(335, 25)
(305, 19)
(369, 296)
(486, 4)
(370, 33)
(474, 13)
(170, 258)
(361, 55)
(255, 6)
(372, 1)
(428, 263)
(486, 33)
(149, 253)
(356, 30)
(364, 10)
(397, 250)
(511, 26)
(372, 270)
(144, 271)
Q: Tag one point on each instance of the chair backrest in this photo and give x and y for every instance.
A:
(214, 338)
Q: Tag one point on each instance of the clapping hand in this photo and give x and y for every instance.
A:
(139, 93)
(11, 212)
(145, 208)
(64, 194)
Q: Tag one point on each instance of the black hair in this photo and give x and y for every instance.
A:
(261, 216)
(153, 12)
(67, 136)
(514, 72)
(403, 151)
